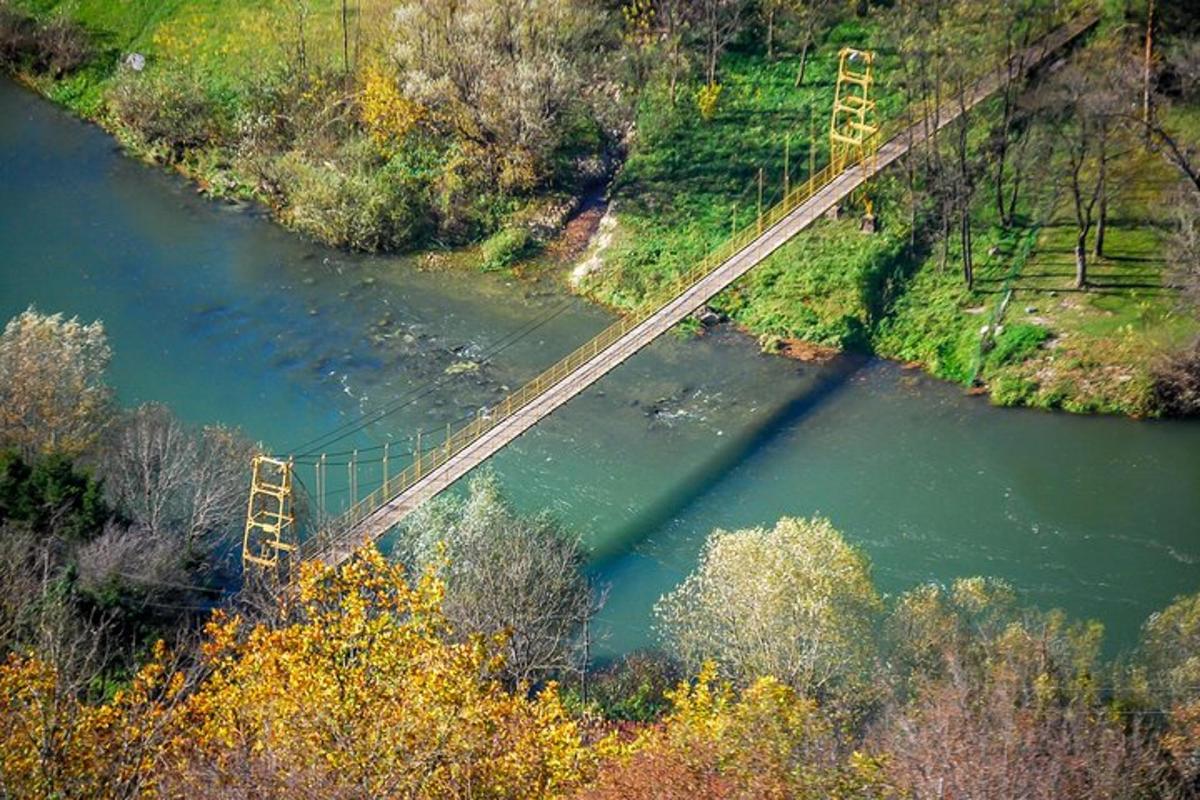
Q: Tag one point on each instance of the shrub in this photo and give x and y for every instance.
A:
(1012, 390)
(166, 109)
(1016, 343)
(56, 47)
(636, 688)
(1177, 382)
(356, 203)
(505, 247)
(707, 99)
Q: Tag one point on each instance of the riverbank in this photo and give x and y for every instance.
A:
(1022, 332)
(299, 106)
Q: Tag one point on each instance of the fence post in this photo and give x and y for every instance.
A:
(321, 486)
(760, 198)
(787, 146)
(417, 458)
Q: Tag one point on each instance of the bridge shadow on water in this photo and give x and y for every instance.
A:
(707, 476)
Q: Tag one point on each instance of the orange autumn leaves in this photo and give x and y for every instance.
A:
(363, 692)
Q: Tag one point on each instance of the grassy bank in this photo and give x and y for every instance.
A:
(302, 106)
(1022, 332)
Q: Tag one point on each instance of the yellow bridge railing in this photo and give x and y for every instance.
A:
(340, 528)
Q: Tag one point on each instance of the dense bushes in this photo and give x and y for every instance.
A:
(55, 47)
(357, 201)
(361, 688)
(109, 519)
(440, 121)
(1177, 381)
(169, 110)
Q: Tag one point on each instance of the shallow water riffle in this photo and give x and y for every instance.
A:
(221, 314)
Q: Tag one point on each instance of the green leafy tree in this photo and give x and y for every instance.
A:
(52, 497)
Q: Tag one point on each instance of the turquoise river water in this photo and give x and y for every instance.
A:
(226, 317)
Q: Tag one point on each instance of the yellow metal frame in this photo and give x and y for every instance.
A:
(852, 132)
(270, 518)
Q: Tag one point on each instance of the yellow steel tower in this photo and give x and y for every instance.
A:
(851, 126)
(270, 518)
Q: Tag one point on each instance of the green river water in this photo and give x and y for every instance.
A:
(226, 317)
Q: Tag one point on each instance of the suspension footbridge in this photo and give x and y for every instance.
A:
(858, 150)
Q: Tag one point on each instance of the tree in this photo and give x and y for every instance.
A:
(795, 602)
(954, 742)
(539, 600)
(177, 485)
(655, 29)
(1011, 130)
(503, 77)
(714, 743)
(718, 22)
(53, 497)
(52, 392)
(807, 17)
(362, 693)
(1082, 103)
(1170, 651)
(998, 699)
(976, 633)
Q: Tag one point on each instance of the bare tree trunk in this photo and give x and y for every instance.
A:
(1101, 218)
(771, 32)
(1147, 63)
(1018, 163)
(345, 38)
(944, 255)
(968, 260)
(1081, 258)
(803, 61)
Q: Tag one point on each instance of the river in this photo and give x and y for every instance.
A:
(224, 316)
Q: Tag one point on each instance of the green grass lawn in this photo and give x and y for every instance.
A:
(688, 182)
(1106, 338)
(1090, 350)
(221, 41)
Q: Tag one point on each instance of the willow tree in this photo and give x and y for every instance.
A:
(795, 602)
(52, 392)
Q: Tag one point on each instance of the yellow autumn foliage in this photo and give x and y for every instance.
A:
(366, 693)
(362, 693)
(53, 745)
(766, 741)
(387, 114)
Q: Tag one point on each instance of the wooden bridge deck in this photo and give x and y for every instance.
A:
(511, 419)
